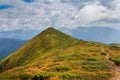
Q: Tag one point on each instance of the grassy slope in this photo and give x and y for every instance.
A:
(115, 54)
(54, 55)
(43, 42)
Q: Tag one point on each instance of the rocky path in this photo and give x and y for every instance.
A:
(116, 69)
(117, 73)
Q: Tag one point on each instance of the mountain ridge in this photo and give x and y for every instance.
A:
(53, 55)
(37, 45)
(85, 33)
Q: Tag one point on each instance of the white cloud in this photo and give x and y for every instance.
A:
(40, 15)
(114, 12)
(91, 12)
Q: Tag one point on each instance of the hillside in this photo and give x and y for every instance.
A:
(9, 45)
(115, 44)
(53, 55)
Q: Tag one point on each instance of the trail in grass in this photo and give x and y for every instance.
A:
(116, 69)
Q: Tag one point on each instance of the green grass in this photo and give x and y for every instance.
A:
(72, 76)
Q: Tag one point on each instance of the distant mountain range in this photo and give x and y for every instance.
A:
(53, 55)
(9, 46)
(97, 34)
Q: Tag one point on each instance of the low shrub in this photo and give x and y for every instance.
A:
(115, 59)
(103, 53)
(41, 76)
(62, 68)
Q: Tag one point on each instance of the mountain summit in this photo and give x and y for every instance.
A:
(53, 55)
(45, 41)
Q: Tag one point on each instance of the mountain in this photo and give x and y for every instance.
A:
(9, 45)
(97, 34)
(53, 55)
(43, 42)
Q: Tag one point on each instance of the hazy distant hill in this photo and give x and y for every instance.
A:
(19, 34)
(115, 44)
(53, 55)
(98, 34)
(9, 45)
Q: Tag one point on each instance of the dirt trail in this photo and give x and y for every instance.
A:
(116, 69)
(117, 73)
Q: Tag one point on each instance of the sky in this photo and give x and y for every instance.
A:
(40, 14)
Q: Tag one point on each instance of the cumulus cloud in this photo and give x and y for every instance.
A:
(40, 14)
(92, 12)
(114, 12)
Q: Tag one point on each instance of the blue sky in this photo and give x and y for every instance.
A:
(40, 14)
(29, 1)
(5, 7)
